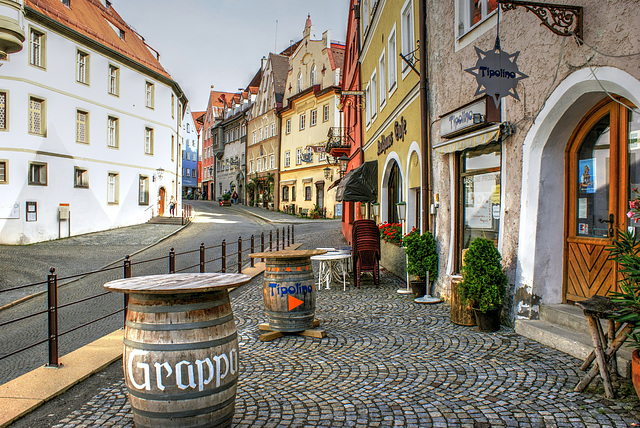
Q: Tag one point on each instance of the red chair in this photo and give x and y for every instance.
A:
(365, 244)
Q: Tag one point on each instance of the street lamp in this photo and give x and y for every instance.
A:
(327, 173)
(344, 162)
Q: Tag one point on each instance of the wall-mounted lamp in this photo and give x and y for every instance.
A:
(363, 210)
(327, 173)
(402, 210)
(344, 162)
(376, 208)
(158, 174)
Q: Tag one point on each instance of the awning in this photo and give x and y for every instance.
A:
(360, 184)
(335, 183)
(467, 141)
(287, 182)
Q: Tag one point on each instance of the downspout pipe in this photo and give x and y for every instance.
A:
(424, 119)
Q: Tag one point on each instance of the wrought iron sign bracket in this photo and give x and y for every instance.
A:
(411, 59)
(563, 20)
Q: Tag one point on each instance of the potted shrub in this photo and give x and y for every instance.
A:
(624, 251)
(422, 260)
(226, 199)
(484, 283)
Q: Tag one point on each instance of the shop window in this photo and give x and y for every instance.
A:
(479, 194)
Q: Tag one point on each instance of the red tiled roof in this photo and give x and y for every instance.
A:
(197, 115)
(91, 19)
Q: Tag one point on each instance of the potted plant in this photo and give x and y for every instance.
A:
(484, 283)
(422, 260)
(226, 199)
(624, 251)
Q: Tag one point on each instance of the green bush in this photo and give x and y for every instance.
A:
(624, 251)
(483, 280)
(226, 196)
(422, 254)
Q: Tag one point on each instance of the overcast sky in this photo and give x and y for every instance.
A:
(220, 42)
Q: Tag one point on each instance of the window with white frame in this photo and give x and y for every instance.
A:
(188, 172)
(266, 132)
(149, 94)
(82, 127)
(374, 90)
(314, 117)
(37, 48)
(82, 67)
(382, 71)
(36, 116)
(260, 135)
(251, 166)
(285, 193)
(259, 164)
(312, 75)
(81, 178)
(113, 185)
(4, 171)
(3, 110)
(325, 112)
(322, 156)
(287, 159)
(37, 173)
(173, 106)
(298, 156)
(173, 147)
(473, 12)
(114, 80)
(112, 132)
(303, 119)
(406, 21)
(288, 127)
(367, 104)
(254, 137)
(393, 60)
(143, 190)
(273, 129)
(272, 161)
(293, 192)
(148, 141)
(307, 193)
(299, 83)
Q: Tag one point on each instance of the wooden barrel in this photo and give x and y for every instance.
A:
(289, 294)
(181, 359)
(461, 313)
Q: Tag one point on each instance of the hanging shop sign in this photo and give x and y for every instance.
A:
(497, 74)
(399, 131)
(478, 114)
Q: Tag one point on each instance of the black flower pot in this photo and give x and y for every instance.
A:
(418, 288)
(489, 321)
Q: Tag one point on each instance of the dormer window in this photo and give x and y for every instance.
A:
(66, 3)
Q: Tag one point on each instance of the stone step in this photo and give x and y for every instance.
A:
(567, 316)
(165, 220)
(569, 341)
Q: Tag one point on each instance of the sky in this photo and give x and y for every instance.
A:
(220, 42)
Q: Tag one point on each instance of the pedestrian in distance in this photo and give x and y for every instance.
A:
(172, 206)
(235, 197)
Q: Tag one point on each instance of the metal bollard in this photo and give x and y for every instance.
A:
(224, 256)
(277, 238)
(288, 237)
(52, 295)
(293, 234)
(252, 251)
(202, 262)
(172, 261)
(239, 254)
(283, 237)
(262, 243)
(126, 268)
(271, 240)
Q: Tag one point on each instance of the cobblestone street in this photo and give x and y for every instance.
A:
(387, 361)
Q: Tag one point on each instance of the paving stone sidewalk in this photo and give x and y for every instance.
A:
(387, 361)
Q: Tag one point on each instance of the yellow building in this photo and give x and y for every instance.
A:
(312, 95)
(391, 117)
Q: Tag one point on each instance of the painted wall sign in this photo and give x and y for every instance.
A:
(399, 130)
(10, 210)
(497, 74)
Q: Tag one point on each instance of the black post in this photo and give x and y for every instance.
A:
(277, 238)
(52, 294)
(224, 256)
(288, 236)
(283, 237)
(271, 240)
(262, 243)
(239, 254)
(293, 235)
(126, 274)
(202, 258)
(252, 250)
(172, 261)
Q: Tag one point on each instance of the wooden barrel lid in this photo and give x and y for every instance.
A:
(177, 283)
(287, 254)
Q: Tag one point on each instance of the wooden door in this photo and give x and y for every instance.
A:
(601, 171)
(161, 200)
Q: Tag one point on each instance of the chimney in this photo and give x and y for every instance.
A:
(263, 62)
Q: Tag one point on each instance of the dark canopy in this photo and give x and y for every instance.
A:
(360, 184)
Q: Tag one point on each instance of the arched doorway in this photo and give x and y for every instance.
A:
(162, 193)
(602, 167)
(394, 192)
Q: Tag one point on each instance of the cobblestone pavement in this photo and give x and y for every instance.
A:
(387, 361)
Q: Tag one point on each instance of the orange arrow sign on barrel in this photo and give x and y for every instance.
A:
(294, 302)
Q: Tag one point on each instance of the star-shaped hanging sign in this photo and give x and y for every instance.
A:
(497, 74)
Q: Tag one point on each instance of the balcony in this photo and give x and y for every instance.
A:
(339, 142)
(11, 32)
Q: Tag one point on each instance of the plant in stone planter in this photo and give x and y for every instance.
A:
(484, 283)
(625, 251)
(422, 258)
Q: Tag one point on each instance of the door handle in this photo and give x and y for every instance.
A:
(610, 221)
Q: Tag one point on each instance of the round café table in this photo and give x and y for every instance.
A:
(180, 348)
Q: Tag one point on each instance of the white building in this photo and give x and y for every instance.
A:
(89, 124)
